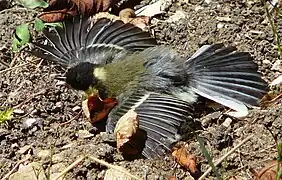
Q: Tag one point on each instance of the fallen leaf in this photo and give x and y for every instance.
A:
(127, 16)
(125, 128)
(269, 172)
(96, 109)
(58, 10)
(185, 159)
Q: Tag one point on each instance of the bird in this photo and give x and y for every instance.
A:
(158, 84)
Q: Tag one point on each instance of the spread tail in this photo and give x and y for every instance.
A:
(225, 76)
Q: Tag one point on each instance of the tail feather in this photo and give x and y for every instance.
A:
(80, 38)
(226, 77)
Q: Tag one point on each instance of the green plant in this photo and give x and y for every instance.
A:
(22, 35)
(270, 18)
(6, 115)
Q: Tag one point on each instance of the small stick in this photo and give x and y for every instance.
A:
(113, 167)
(15, 167)
(76, 116)
(75, 163)
(225, 156)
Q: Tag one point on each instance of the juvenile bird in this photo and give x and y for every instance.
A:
(161, 87)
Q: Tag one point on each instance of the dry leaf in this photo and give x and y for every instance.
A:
(186, 160)
(125, 128)
(268, 172)
(97, 109)
(58, 10)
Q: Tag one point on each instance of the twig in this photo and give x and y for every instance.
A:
(113, 167)
(75, 163)
(15, 167)
(30, 98)
(76, 116)
(225, 156)
(17, 55)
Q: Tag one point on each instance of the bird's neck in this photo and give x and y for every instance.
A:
(119, 74)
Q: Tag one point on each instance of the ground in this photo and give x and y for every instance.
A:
(47, 117)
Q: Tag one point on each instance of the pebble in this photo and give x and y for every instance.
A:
(18, 111)
(76, 108)
(23, 150)
(277, 81)
(14, 145)
(266, 61)
(277, 66)
(28, 123)
(60, 83)
(227, 122)
(220, 25)
(84, 134)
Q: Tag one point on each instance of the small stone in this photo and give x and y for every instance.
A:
(70, 145)
(23, 150)
(227, 122)
(28, 123)
(277, 66)
(266, 61)
(84, 134)
(277, 81)
(225, 19)
(76, 108)
(14, 145)
(176, 16)
(18, 111)
(220, 25)
(58, 106)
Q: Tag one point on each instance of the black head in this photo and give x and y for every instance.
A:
(81, 76)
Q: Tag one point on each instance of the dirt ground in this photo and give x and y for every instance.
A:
(47, 116)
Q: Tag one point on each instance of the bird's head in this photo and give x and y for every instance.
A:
(85, 76)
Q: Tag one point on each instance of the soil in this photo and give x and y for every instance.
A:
(57, 127)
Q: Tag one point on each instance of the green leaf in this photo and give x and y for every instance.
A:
(22, 37)
(31, 4)
(6, 115)
(38, 25)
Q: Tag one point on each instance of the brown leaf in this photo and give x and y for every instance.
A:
(58, 10)
(129, 16)
(125, 128)
(186, 160)
(268, 172)
(57, 15)
(97, 109)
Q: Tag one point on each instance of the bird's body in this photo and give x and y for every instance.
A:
(161, 69)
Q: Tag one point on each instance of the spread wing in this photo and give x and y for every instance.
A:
(160, 117)
(82, 40)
